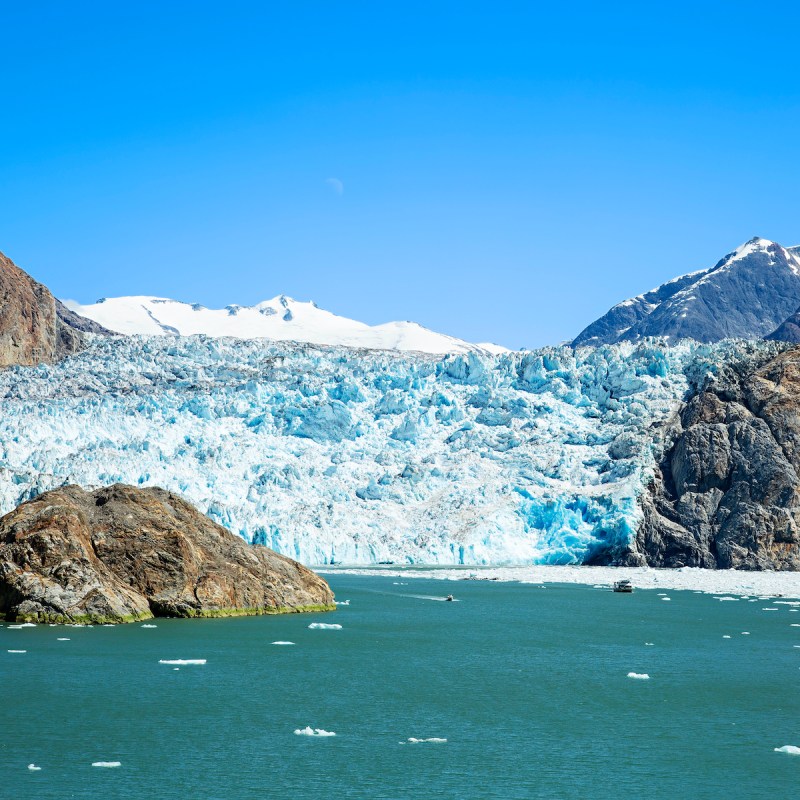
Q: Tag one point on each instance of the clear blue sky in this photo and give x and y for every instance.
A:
(497, 171)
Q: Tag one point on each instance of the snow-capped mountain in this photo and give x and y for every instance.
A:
(747, 295)
(279, 319)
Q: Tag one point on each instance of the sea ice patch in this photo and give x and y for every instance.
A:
(325, 626)
(639, 676)
(788, 748)
(107, 764)
(34, 768)
(431, 740)
(309, 731)
(17, 651)
(182, 662)
(283, 643)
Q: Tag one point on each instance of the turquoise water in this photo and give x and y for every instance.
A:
(528, 686)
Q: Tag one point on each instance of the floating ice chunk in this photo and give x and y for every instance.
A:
(176, 669)
(24, 625)
(283, 643)
(745, 633)
(787, 602)
(107, 764)
(729, 599)
(666, 598)
(726, 636)
(14, 627)
(432, 740)
(648, 644)
(342, 602)
(325, 626)
(661, 594)
(639, 676)
(309, 731)
(788, 748)
(794, 624)
(17, 651)
(770, 609)
(62, 639)
(182, 662)
(149, 626)
(34, 768)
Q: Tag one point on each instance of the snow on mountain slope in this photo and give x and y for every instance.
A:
(326, 453)
(280, 319)
(747, 295)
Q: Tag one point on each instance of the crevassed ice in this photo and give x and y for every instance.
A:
(335, 454)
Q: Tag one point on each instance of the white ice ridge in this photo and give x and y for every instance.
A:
(432, 739)
(107, 764)
(331, 454)
(639, 676)
(788, 748)
(279, 319)
(309, 731)
(327, 626)
(182, 662)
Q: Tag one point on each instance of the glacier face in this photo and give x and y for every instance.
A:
(327, 453)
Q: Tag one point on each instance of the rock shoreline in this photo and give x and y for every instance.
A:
(124, 554)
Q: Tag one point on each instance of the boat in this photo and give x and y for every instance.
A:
(624, 586)
(449, 598)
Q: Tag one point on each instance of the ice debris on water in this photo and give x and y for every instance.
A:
(431, 739)
(528, 457)
(17, 651)
(62, 639)
(342, 602)
(283, 643)
(107, 764)
(639, 676)
(309, 731)
(182, 661)
(788, 748)
(325, 626)
(34, 768)
(149, 626)
(725, 636)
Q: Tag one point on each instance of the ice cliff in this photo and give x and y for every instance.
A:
(327, 453)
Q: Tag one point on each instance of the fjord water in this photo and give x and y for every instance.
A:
(528, 685)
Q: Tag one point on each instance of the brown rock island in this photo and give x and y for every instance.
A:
(122, 554)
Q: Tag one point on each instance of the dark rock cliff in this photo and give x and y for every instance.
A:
(35, 328)
(726, 493)
(121, 554)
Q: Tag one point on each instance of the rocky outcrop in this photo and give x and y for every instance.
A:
(121, 554)
(726, 493)
(35, 328)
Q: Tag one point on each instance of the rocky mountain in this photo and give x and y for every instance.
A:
(726, 492)
(35, 328)
(279, 319)
(121, 554)
(749, 294)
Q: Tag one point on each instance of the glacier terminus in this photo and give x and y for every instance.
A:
(332, 454)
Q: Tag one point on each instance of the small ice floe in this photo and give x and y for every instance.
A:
(787, 603)
(661, 594)
(176, 669)
(149, 626)
(309, 731)
(107, 764)
(62, 639)
(649, 644)
(431, 739)
(745, 633)
(727, 599)
(796, 646)
(283, 643)
(639, 676)
(182, 662)
(17, 651)
(34, 768)
(788, 748)
(342, 602)
(15, 627)
(770, 609)
(666, 598)
(726, 636)
(325, 626)
(794, 624)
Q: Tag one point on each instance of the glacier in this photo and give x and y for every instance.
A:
(334, 454)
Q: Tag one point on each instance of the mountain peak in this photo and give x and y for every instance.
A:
(745, 295)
